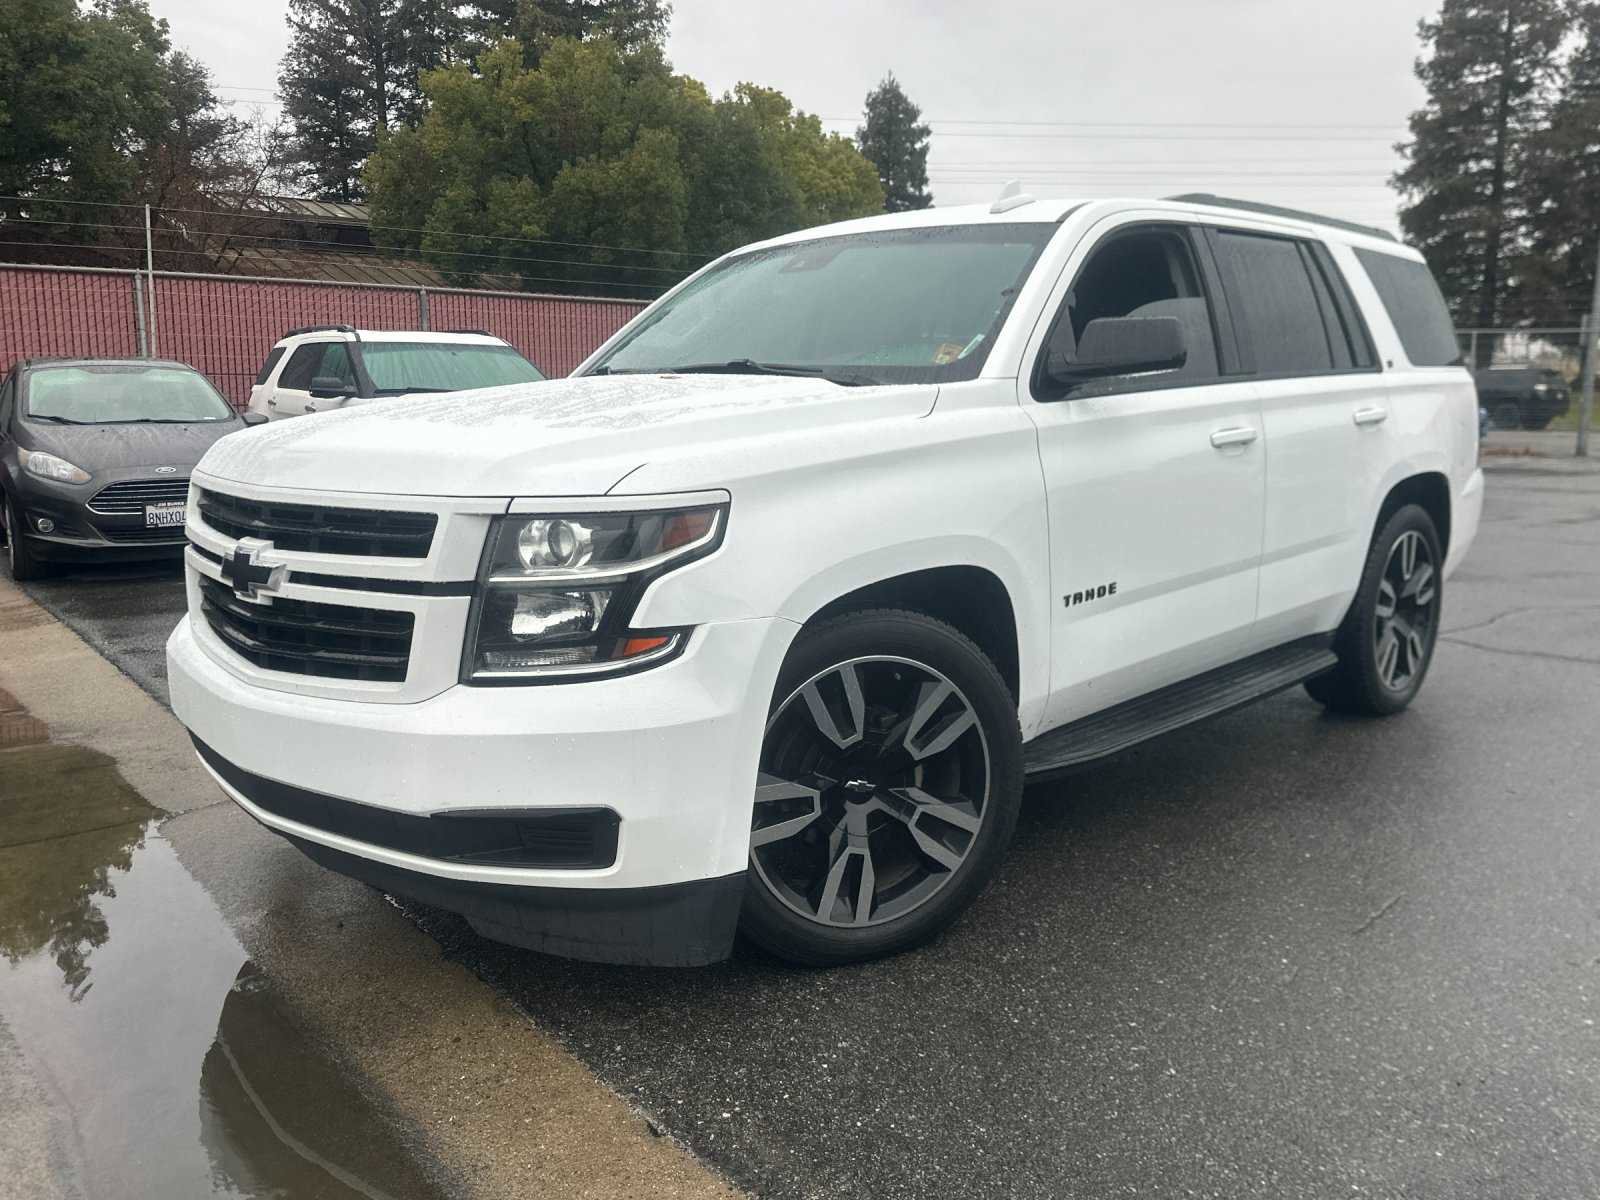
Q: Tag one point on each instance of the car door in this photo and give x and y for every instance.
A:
(1324, 410)
(292, 391)
(1154, 482)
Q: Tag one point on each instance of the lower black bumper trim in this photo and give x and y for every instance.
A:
(675, 925)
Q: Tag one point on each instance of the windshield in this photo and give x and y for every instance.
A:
(898, 306)
(114, 394)
(443, 366)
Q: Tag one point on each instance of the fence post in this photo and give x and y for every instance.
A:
(422, 308)
(138, 314)
(1590, 328)
(150, 272)
(1472, 349)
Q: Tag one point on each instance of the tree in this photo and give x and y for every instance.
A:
(1488, 71)
(1556, 276)
(633, 25)
(600, 170)
(896, 140)
(96, 109)
(351, 74)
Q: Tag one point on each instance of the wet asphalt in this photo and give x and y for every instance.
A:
(1282, 953)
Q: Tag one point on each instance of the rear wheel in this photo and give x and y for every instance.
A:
(20, 558)
(1535, 422)
(888, 788)
(1385, 644)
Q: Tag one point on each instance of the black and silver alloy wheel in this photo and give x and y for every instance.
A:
(1386, 641)
(888, 784)
(874, 780)
(1403, 630)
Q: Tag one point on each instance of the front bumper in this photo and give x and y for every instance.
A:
(79, 532)
(672, 751)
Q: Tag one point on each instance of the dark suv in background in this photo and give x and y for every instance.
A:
(1522, 397)
(95, 456)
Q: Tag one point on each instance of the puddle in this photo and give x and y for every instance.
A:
(140, 1050)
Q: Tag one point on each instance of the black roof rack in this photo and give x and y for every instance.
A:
(1273, 210)
(483, 332)
(323, 329)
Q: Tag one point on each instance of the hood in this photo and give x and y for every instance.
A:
(568, 437)
(99, 449)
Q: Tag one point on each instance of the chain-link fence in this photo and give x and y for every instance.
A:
(224, 325)
(1530, 385)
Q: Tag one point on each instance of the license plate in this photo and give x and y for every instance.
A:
(164, 516)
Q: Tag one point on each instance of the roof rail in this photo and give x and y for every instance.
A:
(1273, 210)
(483, 332)
(322, 329)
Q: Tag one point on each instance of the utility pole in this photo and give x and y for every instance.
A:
(150, 274)
(1591, 327)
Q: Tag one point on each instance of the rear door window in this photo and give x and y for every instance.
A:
(265, 373)
(1271, 290)
(301, 368)
(1416, 306)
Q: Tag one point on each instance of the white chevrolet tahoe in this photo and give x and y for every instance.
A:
(322, 368)
(759, 622)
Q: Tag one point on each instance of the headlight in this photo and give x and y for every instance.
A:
(48, 466)
(557, 591)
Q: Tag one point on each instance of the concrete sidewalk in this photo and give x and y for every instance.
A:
(474, 1098)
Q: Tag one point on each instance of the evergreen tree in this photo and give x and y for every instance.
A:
(633, 25)
(1488, 71)
(350, 75)
(896, 140)
(1557, 275)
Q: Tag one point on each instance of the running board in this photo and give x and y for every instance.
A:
(1208, 695)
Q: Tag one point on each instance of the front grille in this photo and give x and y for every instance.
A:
(154, 537)
(333, 641)
(318, 529)
(128, 498)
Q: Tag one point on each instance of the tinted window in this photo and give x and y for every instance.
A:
(112, 394)
(1416, 307)
(336, 362)
(1277, 302)
(443, 366)
(302, 366)
(273, 356)
(896, 305)
(1347, 332)
(1147, 273)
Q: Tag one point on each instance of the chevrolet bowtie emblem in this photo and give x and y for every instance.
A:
(249, 577)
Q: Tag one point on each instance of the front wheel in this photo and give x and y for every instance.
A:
(1385, 644)
(1508, 415)
(888, 788)
(20, 558)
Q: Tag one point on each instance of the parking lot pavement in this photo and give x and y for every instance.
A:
(1279, 954)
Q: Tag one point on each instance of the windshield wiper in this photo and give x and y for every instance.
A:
(54, 420)
(406, 391)
(749, 366)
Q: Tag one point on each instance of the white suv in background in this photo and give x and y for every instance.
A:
(760, 621)
(325, 367)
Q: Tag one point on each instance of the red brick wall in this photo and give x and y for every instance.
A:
(225, 327)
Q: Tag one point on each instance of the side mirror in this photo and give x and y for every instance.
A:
(1121, 346)
(330, 387)
(253, 418)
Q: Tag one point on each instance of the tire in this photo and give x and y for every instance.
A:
(1381, 665)
(24, 564)
(890, 780)
(1535, 423)
(1508, 415)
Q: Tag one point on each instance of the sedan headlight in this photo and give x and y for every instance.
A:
(557, 592)
(48, 466)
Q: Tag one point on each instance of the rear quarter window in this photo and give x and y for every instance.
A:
(1416, 306)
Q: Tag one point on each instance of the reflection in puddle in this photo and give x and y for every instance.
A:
(163, 1063)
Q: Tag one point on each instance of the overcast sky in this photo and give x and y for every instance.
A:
(1290, 101)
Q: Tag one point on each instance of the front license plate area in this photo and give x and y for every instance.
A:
(164, 516)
